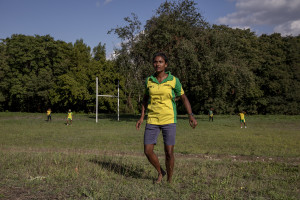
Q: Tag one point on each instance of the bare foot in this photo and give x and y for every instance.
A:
(160, 176)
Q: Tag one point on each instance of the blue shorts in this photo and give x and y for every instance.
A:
(152, 131)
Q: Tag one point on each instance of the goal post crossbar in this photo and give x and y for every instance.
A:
(107, 96)
(104, 95)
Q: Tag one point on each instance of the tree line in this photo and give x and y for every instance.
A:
(38, 72)
(220, 67)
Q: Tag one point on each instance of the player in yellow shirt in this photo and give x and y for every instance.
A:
(242, 118)
(161, 90)
(70, 117)
(49, 115)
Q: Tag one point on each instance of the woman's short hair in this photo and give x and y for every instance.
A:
(161, 54)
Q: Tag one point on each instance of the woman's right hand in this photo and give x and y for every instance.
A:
(138, 124)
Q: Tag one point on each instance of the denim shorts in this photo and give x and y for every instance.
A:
(152, 131)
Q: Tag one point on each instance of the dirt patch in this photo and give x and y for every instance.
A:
(235, 158)
(243, 158)
(16, 193)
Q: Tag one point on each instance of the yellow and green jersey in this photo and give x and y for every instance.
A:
(70, 115)
(161, 105)
(242, 116)
(48, 112)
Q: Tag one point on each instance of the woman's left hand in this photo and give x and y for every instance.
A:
(193, 121)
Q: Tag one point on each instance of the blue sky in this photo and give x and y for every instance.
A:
(69, 20)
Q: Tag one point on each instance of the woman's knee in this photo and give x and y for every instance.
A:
(169, 152)
(148, 150)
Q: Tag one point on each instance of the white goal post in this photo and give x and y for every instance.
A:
(97, 95)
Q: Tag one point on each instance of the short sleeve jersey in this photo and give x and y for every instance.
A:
(242, 116)
(161, 104)
(70, 115)
(48, 112)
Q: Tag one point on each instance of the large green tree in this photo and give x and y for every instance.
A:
(28, 76)
(220, 67)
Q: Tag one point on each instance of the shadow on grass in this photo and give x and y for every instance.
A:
(127, 171)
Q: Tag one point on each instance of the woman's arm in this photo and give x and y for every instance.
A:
(188, 108)
(144, 108)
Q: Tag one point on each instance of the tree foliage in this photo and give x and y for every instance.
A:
(220, 67)
(38, 72)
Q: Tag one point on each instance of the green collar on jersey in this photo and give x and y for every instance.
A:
(169, 78)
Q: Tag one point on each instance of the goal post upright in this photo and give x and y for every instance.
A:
(118, 100)
(97, 99)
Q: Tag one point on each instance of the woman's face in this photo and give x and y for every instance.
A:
(159, 64)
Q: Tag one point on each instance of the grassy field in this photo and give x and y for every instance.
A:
(219, 160)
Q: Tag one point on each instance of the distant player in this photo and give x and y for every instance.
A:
(69, 118)
(49, 115)
(211, 115)
(242, 118)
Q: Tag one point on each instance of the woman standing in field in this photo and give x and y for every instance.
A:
(242, 118)
(161, 90)
(69, 117)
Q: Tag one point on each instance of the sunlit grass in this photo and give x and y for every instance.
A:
(219, 160)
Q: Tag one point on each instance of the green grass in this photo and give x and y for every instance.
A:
(219, 160)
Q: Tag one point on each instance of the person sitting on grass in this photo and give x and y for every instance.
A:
(242, 118)
(69, 118)
(161, 90)
(49, 115)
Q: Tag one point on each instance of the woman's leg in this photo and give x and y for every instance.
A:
(153, 159)
(169, 152)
